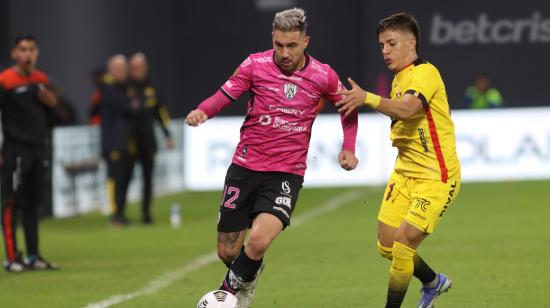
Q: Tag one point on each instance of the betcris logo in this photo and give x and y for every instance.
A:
(533, 29)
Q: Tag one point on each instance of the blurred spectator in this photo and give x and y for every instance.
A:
(116, 113)
(481, 96)
(26, 103)
(98, 75)
(151, 109)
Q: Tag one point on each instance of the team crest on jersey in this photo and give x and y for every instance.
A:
(290, 90)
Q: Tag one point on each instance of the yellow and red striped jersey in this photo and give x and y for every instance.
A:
(426, 141)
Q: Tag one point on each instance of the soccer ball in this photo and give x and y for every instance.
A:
(218, 299)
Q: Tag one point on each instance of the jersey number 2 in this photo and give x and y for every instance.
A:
(231, 194)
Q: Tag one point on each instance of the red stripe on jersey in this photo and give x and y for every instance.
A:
(437, 145)
(9, 236)
(11, 79)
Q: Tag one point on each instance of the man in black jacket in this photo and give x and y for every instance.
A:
(144, 94)
(26, 104)
(117, 111)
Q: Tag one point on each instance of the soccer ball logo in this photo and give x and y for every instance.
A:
(218, 299)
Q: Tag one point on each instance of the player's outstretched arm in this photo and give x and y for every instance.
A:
(196, 117)
(408, 106)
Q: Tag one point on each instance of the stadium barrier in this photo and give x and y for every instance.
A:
(79, 173)
(493, 145)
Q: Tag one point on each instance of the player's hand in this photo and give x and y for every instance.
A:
(170, 143)
(348, 160)
(196, 118)
(46, 96)
(353, 99)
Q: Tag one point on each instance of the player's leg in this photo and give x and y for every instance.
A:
(235, 217)
(246, 265)
(245, 271)
(395, 205)
(431, 201)
(386, 236)
(124, 168)
(407, 239)
(33, 190)
(229, 246)
(147, 164)
(275, 201)
(10, 172)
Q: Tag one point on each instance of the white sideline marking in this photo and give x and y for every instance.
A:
(169, 277)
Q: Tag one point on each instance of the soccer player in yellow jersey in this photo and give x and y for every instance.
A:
(426, 179)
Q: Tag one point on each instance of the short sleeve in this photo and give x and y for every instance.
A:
(425, 82)
(240, 81)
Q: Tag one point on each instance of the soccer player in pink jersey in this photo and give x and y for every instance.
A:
(263, 182)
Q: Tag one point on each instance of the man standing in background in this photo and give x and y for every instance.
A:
(26, 104)
(116, 113)
(151, 109)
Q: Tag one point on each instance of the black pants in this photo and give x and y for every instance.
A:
(119, 172)
(146, 158)
(24, 180)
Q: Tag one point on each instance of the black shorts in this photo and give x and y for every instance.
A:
(247, 193)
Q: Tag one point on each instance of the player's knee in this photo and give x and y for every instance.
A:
(385, 252)
(402, 251)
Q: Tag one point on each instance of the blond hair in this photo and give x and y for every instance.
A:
(290, 20)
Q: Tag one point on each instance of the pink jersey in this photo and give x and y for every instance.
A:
(276, 132)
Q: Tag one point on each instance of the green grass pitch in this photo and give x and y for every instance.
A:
(494, 242)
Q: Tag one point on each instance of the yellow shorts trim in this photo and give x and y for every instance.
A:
(420, 202)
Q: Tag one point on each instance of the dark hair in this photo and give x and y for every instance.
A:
(401, 21)
(25, 37)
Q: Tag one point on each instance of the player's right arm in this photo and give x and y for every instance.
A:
(408, 106)
(237, 84)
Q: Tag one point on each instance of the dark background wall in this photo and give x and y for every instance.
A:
(194, 45)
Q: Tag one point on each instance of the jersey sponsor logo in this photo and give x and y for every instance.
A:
(286, 201)
(21, 89)
(264, 119)
(423, 139)
(287, 110)
(281, 124)
(288, 126)
(293, 78)
(290, 90)
(417, 215)
(285, 186)
(263, 60)
(422, 204)
(449, 198)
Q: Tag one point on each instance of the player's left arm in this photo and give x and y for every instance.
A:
(346, 157)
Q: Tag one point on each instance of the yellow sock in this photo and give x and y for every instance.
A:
(385, 252)
(111, 195)
(401, 271)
